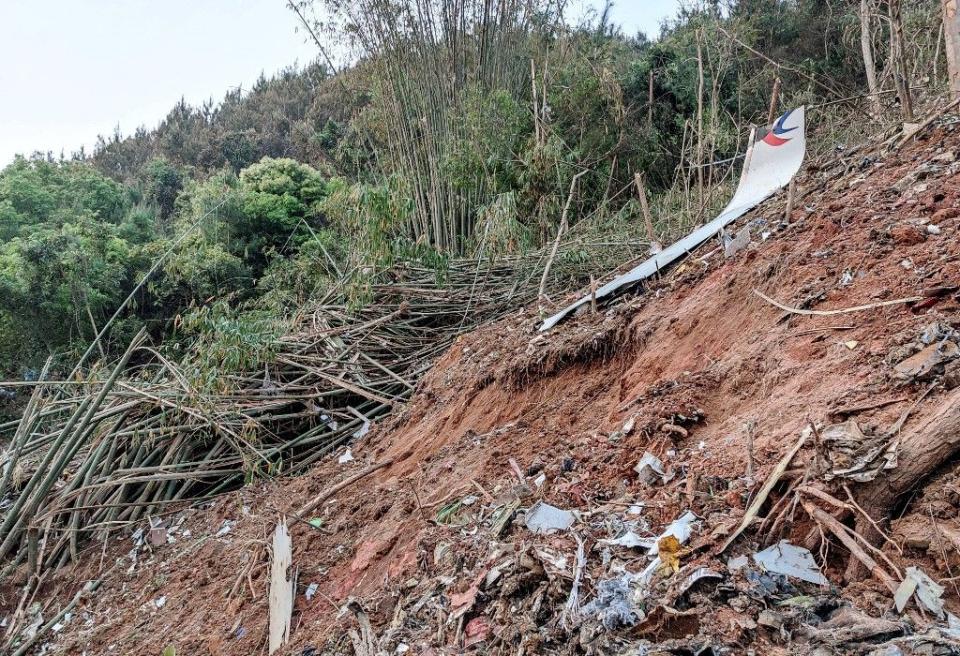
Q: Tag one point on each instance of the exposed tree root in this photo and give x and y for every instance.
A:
(923, 450)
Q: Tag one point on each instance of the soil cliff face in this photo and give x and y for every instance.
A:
(704, 371)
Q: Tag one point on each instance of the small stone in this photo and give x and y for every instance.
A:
(945, 214)
(923, 365)
(905, 234)
(739, 603)
(951, 375)
(933, 229)
(770, 619)
(900, 353)
(916, 542)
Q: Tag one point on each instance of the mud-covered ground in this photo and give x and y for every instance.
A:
(431, 554)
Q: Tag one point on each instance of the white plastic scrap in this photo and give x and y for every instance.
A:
(363, 430)
(790, 560)
(927, 591)
(650, 469)
(226, 527)
(630, 540)
(311, 590)
(681, 528)
(557, 560)
(544, 518)
(953, 626)
(737, 563)
(160, 601)
(346, 457)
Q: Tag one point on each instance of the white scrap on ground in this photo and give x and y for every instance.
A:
(630, 540)
(680, 528)
(650, 469)
(927, 591)
(544, 518)
(281, 588)
(790, 560)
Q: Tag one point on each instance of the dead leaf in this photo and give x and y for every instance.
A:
(670, 550)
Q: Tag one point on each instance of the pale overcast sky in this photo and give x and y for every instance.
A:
(73, 69)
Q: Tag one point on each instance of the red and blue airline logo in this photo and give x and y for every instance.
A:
(774, 138)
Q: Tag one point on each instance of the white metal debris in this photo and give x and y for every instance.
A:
(770, 163)
(281, 588)
(735, 244)
(680, 528)
(927, 591)
(737, 563)
(790, 560)
(697, 575)
(650, 469)
(630, 540)
(544, 518)
(226, 527)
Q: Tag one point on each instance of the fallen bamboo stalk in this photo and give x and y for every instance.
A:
(160, 433)
(88, 588)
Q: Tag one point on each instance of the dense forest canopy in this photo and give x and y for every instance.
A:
(457, 131)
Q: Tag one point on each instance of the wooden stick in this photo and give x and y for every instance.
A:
(320, 498)
(650, 100)
(774, 99)
(791, 192)
(765, 490)
(875, 526)
(645, 207)
(828, 521)
(854, 409)
(827, 313)
(89, 587)
(927, 123)
(560, 230)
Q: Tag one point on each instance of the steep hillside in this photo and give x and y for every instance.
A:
(430, 552)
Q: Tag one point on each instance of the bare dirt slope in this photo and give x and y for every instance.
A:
(430, 554)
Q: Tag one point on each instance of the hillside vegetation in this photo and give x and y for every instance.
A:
(462, 138)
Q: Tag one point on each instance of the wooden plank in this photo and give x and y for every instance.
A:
(281, 588)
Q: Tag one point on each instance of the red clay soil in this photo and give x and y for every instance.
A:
(693, 370)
